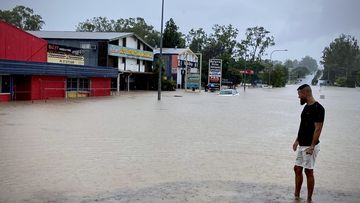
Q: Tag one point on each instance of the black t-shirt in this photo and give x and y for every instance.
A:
(311, 114)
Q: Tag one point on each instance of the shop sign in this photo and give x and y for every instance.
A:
(114, 50)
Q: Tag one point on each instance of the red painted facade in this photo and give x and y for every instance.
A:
(15, 44)
(100, 86)
(47, 87)
(174, 61)
(4, 97)
(18, 45)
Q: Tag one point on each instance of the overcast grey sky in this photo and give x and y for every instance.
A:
(303, 27)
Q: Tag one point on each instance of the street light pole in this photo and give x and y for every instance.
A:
(161, 46)
(244, 75)
(271, 61)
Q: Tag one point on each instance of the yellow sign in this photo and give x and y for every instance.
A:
(131, 53)
(65, 58)
(75, 94)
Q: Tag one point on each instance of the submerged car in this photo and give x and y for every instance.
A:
(211, 87)
(228, 92)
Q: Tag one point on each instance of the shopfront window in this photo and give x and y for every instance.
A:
(84, 84)
(4, 84)
(72, 84)
(75, 84)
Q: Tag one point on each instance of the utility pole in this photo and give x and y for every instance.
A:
(161, 46)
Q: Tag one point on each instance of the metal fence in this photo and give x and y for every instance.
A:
(47, 90)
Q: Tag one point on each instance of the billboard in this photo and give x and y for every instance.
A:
(193, 75)
(114, 50)
(63, 54)
(215, 69)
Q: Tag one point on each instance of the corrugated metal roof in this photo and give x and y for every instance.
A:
(80, 35)
(55, 69)
(85, 35)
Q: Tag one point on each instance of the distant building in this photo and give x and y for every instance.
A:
(130, 55)
(178, 62)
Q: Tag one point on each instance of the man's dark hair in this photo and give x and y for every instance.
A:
(303, 86)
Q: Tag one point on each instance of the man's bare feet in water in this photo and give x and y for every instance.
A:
(297, 199)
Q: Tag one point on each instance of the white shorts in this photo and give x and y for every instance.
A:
(306, 160)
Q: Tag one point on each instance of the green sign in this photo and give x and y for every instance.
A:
(193, 80)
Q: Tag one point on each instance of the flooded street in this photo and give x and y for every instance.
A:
(189, 147)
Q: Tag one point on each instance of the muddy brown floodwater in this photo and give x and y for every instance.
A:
(189, 147)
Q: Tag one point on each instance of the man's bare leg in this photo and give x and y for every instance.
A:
(298, 180)
(310, 183)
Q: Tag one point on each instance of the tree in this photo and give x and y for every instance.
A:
(23, 18)
(135, 25)
(278, 75)
(289, 64)
(196, 39)
(341, 59)
(220, 44)
(96, 24)
(140, 28)
(299, 72)
(309, 63)
(256, 41)
(172, 37)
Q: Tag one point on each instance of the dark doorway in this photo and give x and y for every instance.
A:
(22, 87)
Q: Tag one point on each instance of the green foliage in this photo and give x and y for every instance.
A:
(309, 63)
(340, 81)
(256, 41)
(299, 72)
(23, 18)
(196, 40)
(341, 59)
(172, 37)
(96, 24)
(220, 44)
(223, 44)
(278, 75)
(168, 85)
(358, 77)
(291, 64)
(233, 75)
(135, 25)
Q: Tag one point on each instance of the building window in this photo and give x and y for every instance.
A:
(4, 84)
(124, 42)
(71, 84)
(123, 60)
(85, 45)
(84, 84)
(138, 61)
(75, 84)
(138, 44)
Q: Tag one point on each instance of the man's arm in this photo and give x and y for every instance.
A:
(316, 136)
(317, 132)
(296, 143)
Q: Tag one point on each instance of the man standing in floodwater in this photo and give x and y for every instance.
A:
(307, 141)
